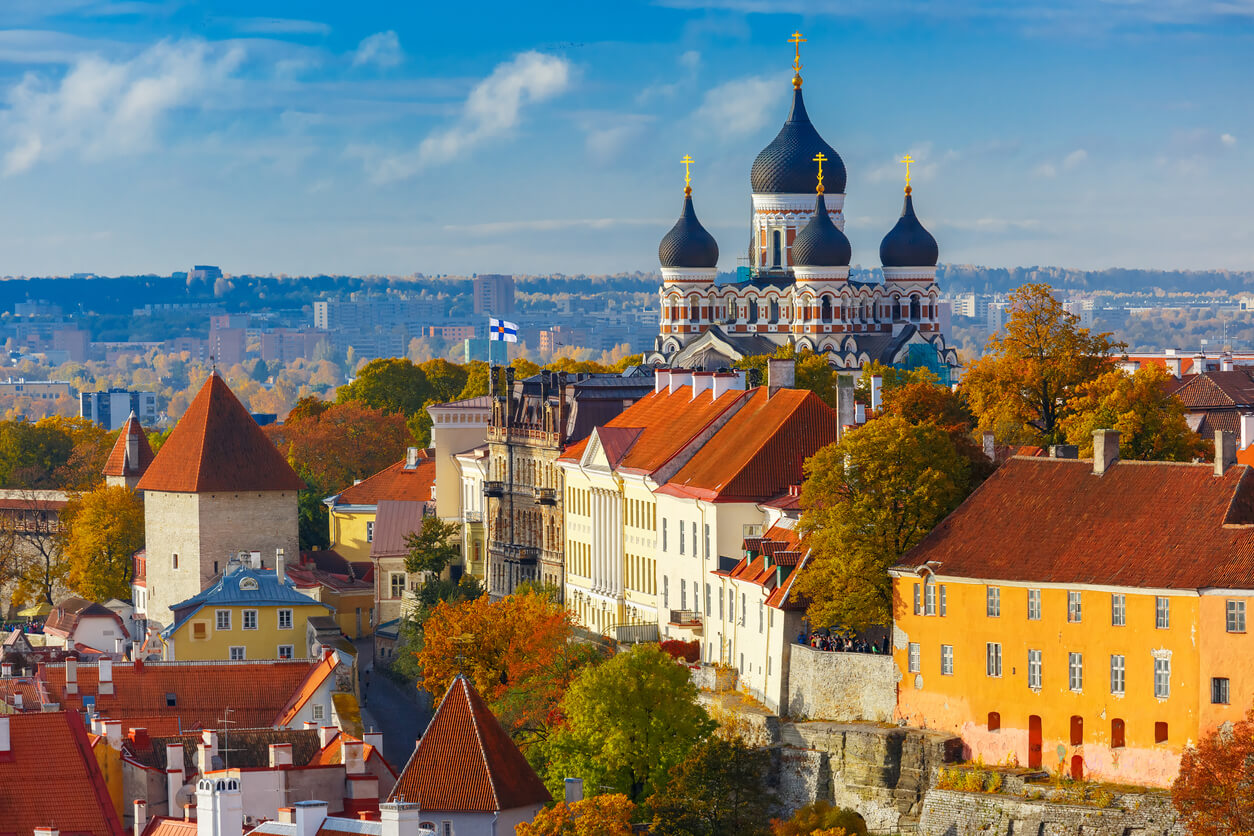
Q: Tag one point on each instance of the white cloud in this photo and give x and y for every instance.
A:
(382, 49)
(690, 60)
(607, 135)
(102, 108)
(1074, 159)
(925, 162)
(1228, 139)
(493, 109)
(1049, 169)
(280, 26)
(738, 107)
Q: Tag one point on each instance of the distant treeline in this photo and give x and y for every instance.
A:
(956, 278)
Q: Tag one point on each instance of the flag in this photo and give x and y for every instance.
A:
(499, 329)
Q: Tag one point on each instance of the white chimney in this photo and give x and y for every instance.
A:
(309, 724)
(398, 818)
(574, 790)
(113, 733)
(1247, 430)
(877, 386)
(325, 735)
(679, 378)
(661, 379)
(1105, 450)
(990, 446)
(411, 458)
(725, 382)
(1173, 366)
(206, 750)
(352, 755)
(280, 565)
(71, 676)
(859, 414)
(105, 671)
(375, 739)
(6, 743)
(46, 831)
(220, 806)
(780, 374)
(280, 755)
(174, 778)
(1225, 451)
(309, 817)
(1225, 363)
(141, 816)
(6, 670)
(255, 559)
(701, 382)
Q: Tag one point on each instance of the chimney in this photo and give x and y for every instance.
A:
(780, 374)
(1173, 366)
(325, 735)
(1225, 450)
(174, 778)
(280, 565)
(725, 382)
(6, 742)
(362, 791)
(1105, 450)
(859, 414)
(844, 402)
(701, 382)
(1247, 430)
(105, 673)
(255, 559)
(113, 733)
(574, 790)
(352, 755)
(398, 818)
(309, 817)
(139, 738)
(309, 724)
(280, 755)
(679, 378)
(990, 446)
(411, 458)
(1225, 362)
(141, 816)
(137, 657)
(118, 644)
(287, 815)
(71, 676)
(661, 379)
(206, 750)
(1064, 451)
(877, 387)
(375, 739)
(220, 806)
(47, 831)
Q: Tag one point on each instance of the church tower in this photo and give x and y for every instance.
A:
(909, 255)
(130, 456)
(821, 255)
(689, 259)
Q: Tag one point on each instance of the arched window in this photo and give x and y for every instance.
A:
(825, 310)
(994, 721)
(914, 308)
(694, 311)
(777, 248)
(774, 310)
(733, 311)
(753, 310)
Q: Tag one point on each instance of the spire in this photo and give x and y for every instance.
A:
(688, 244)
(908, 243)
(907, 160)
(796, 40)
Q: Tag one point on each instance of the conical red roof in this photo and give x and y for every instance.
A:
(117, 465)
(218, 447)
(467, 763)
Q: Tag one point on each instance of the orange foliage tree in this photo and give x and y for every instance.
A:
(601, 815)
(330, 445)
(517, 652)
(1214, 792)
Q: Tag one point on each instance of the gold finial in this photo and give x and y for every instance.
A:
(796, 40)
(907, 160)
(820, 158)
(687, 161)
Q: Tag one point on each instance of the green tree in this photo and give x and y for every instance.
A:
(627, 722)
(433, 547)
(391, 384)
(1021, 386)
(445, 380)
(1150, 422)
(101, 530)
(867, 499)
(720, 788)
(820, 817)
(811, 371)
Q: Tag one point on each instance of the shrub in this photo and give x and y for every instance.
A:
(686, 651)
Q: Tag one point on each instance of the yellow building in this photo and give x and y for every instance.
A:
(248, 614)
(1083, 617)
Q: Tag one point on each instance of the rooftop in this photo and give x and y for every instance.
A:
(396, 482)
(118, 463)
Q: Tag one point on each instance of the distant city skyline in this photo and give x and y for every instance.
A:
(382, 138)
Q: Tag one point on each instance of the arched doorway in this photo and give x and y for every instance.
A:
(1034, 742)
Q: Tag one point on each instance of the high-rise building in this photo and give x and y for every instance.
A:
(494, 294)
(111, 408)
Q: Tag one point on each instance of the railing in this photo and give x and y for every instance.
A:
(516, 553)
(496, 489)
(685, 618)
(635, 633)
(545, 496)
(472, 517)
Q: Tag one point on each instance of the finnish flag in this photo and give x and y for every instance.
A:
(499, 329)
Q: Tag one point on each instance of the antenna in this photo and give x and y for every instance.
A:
(226, 737)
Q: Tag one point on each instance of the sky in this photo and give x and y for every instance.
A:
(276, 136)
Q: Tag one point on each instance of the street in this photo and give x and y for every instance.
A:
(399, 712)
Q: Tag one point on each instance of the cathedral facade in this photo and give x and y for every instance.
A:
(796, 288)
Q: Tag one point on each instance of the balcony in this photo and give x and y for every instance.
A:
(545, 496)
(686, 618)
(514, 553)
(473, 517)
(494, 489)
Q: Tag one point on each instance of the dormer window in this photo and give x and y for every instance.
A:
(248, 584)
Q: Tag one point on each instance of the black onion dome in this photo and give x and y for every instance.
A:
(820, 243)
(787, 166)
(908, 244)
(688, 244)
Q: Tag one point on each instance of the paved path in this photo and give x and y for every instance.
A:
(400, 712)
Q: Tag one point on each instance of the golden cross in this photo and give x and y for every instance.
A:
(796, 40)
(687, 161)
(907, 160)
(820, 158)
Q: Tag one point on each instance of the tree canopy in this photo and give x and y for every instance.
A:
(1214, 790)
(598, 815)
(720, 788)
(101, 530)
(1150, 421)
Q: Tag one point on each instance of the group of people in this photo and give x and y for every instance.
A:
(841, 644)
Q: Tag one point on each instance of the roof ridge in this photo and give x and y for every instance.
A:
(483, 753)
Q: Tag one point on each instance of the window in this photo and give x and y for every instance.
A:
(992, 652)
(915, 663)
(250, 619)
(222, 620)
(709, 597)
(369, 531)
(994, 721)
(446, 828)
(1034, 669)
(200, 630)
(1034, 605)
(1162, 612)
(743, 608)
(683, 594)
(1116, 734)
(171, 700)
(681, 538)
(397, 584)
(1236, 616)
(1219, 690)
(319, 711)
(285, 619)
(1118, 610)
(174, 561)
(1116, 674)
(720, 603)
(1160, 732)
(285, 651)
(918, 600)
(761, 614)
(1073, 607)
(942, 599)
(707, 539)
(947, 660)
(1162, 678)
(666, 592)
(1075, 671)
(663, 533)
(929, 597)
(992, 602)
(694, 542)
(237, 653)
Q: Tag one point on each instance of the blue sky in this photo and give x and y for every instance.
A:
(367, 137)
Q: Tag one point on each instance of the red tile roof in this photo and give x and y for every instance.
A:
(314, 679)
(256, 692)
(467, 762)
(52, 778)
(168, 826)
(1213, 390)
(394, 482)
(760, 452)
(65, 616)
(333, 753)
(217, 446)
(1154, 525)
(778, 547)
(117, 465)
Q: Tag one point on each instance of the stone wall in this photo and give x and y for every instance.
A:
(842, 687)
(952, 813)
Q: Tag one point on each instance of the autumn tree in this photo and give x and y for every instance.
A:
(31, 547)
(820, 819)
(517, 652)
(810, 371)
(720, 788)
(389, 384)
(598, 815)
(1022, 385)
(1214, 790)
(431, 550)
(1150, 421)
(100, 531)
(627, 721)
(867, 499)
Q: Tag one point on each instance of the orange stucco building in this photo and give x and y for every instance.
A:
(1083, 616)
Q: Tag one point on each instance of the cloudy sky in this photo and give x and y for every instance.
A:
(373, 137)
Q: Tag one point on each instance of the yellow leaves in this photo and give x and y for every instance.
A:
(600, 815)
(102, 529)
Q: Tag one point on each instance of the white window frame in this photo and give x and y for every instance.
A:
(291, 620)
(237, 653)
(1118, 609)
(992, 659)
(218, 619)
(681, 537)
(1162, 678)
(244, 619)
(914, 661)
(942, 607)
(291, 651)
(318, 711)
(1224, 698)
(1075, 607)
(1075, 672)
(929, 597)
(918, 599)
(1034, 605)
(1235, 616)
(992, 602)
(1118, 674)
(392, 576)
(1034, 669)
(1162, 612)
(947, 660)
(369, 531)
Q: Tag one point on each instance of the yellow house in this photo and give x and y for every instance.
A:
(353, 512)
(248, 614)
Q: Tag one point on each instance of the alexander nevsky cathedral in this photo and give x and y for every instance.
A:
(796, 287)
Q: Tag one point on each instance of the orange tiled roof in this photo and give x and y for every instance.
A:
(394, 482)
(333, 754)
(117, 464)
(255, 691)
(52, 778)
(466, 762)
(1155, 524)
(167, 826)
(314, 679)
(761, 449)
(781, 544)
(1214, 390)
(217, 446)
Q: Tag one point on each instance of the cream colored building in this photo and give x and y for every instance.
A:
(472, 467)
(456, 428)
